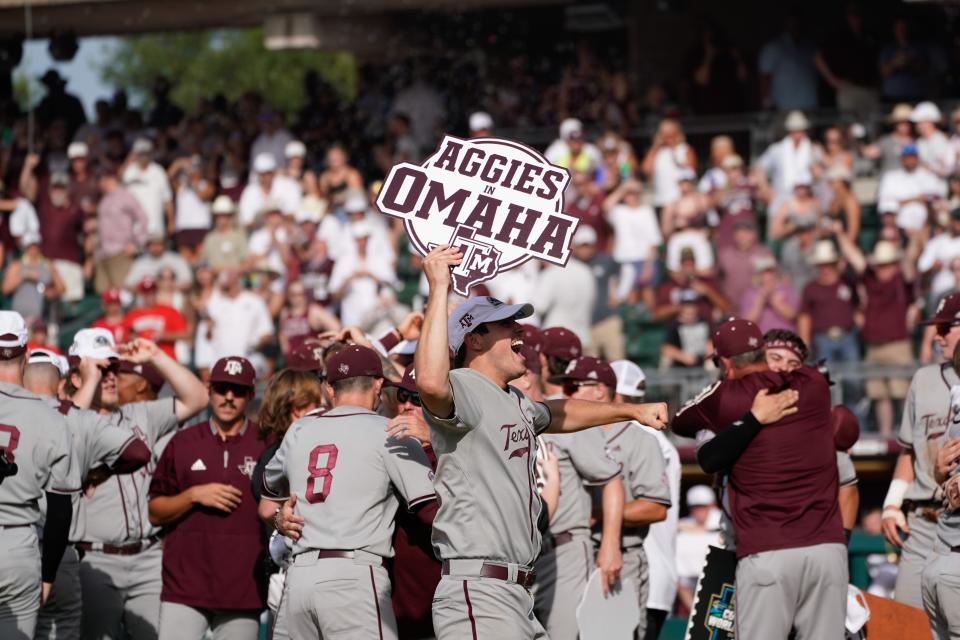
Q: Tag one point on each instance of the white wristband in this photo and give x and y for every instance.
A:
(895, 493)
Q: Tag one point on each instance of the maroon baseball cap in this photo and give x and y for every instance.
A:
(948, 311)
(145, 370)
(587, 369)
(531, 358)
(736, 336)
(234, 370)
(306, 356)
(561, 343)
(353, 361)
(409, 380)
(532, 336)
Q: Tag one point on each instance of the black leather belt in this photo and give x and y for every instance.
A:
(561, 539)
(499, 572)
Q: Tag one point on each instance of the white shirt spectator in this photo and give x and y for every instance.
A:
(239, 324)
(260, 245)
(275, 144)
(936, 153)
(558, 153)
(899, 185)
(284, 191)
(697, 241)
(364, 297)
(151, 187)
(661, 542)
(636, 233)
(565, 297)
(693, 545)
(784, 162)
(149, 265)
(942, 248)
(331, 231)
(424, 106)
(191, 211)
(515, 286)
(23, 219)
(667, 165)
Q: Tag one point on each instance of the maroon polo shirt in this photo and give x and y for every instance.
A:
(590, 211)
(212, 559)
(414, 573)
(782, 491)
(885, 316)
(61, 229)
(829, 305)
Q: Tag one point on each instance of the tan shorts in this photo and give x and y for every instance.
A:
(896, 352)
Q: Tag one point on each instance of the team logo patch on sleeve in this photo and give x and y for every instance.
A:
(499, 201)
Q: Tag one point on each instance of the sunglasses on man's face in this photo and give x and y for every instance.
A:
(944, 329)
(222, 388)
(408, 396)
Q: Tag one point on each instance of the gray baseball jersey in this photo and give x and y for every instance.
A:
(346, 473)
(117, 513)
(583, 461)
(486, 458)
(35, 437)
(846, 470)
(926, 414)
(948, 526)
(644, 471)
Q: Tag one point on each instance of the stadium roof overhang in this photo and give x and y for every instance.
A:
(117, 17)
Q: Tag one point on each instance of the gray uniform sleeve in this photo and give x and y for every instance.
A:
(103, 441)
(588, 455)
(160, 417)
(846, 470)
(276, 485)
(409, 470)
(648, 480)
(467, 405)
(542, 417)
(905, 436)
(53, 453)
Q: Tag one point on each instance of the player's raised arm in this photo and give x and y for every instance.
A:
(568, 416)
(432, 359)
(191, 394)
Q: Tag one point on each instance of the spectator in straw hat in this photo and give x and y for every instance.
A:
(267, 185)
(827, 308)
(785, 161)
(889, 312)
(887, 148)
(225, 247)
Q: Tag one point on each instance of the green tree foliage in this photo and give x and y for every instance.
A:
(203, 64)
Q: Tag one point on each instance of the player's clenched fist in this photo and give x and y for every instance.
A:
(437, 264)
(216, 495)
(652, 414)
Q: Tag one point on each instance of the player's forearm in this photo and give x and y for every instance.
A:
(167, 509)
(721, 452)
(849, 499)
(569, 416)
(613, 497)
(640, 512)
(432, 359)
(190, 392)
(56, 534)
(83, 397)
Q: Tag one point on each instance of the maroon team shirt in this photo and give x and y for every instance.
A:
(210, 558)
(782, 491)
(61, 229)
(885, 318)
(829, 305)
(590, 211)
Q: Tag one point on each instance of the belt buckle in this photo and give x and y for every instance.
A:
(835, 333)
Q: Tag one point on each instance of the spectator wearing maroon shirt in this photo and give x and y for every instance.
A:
(792, 568)
(827, 309)
(416, 571)
(890, 302)
(712, 303)
(84, 190)
(587, 205)
(201, 493)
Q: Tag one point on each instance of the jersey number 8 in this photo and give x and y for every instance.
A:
(325, 472)
(13, 439)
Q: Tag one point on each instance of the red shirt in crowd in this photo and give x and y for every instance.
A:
(885, 317)
(118, 328)
(212, 559)
(829, 305)
(782, 491)
(150, 322)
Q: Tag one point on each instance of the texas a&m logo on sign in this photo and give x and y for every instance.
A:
(501, 202)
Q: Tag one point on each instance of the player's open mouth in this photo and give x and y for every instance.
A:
(516, 345)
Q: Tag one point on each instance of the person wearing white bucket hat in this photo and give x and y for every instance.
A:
(887, 278)
(932, 143)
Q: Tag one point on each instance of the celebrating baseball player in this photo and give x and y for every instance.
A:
(34, 437)
(792, 568)
(484, 433)
(914, 500)
(346, 473)
(98, 449)
(120, 570)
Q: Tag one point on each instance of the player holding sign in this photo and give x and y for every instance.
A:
(484, 434)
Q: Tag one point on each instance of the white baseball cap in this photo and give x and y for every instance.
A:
(796, 121)
(570, 127)
(94, 343)
(77, 150)
(355, 203)
(264, 163)
(480, 120)
(473, 312)
(29, 238)
(45, 356)
(142, 145)
(629, 378)
(295, 149)
(13, 335)
(223, 205)
(700, 495)
(585, 235)
(926, 112)
(361, 229)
